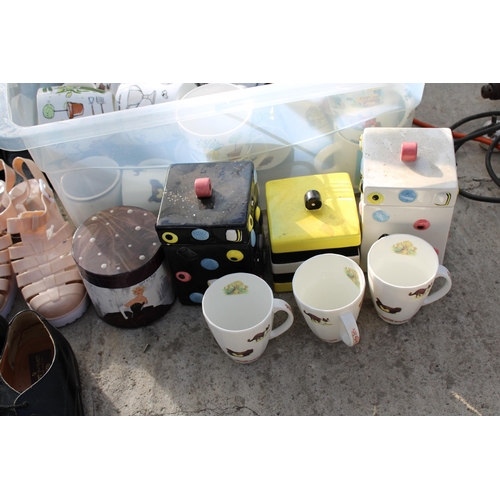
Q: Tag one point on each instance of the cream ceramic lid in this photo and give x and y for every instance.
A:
(429, 180)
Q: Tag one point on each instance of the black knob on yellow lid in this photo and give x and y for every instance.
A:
(312, 200)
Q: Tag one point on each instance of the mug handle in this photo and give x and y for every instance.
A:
(281, 305)
(442, 273)
(350, 336)
(323, 155)
(408, 114)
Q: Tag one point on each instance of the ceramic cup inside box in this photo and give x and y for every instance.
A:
(143, 185)
(69, 102)
(307, 126)
(382, 108)
(136, 95)
(350, 115)
(270, 147)
(342, 155)
(223, 137)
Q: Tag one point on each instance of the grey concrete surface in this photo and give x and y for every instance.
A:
(445, 361)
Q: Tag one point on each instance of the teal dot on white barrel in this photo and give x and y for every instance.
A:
(381, 216)
(407, 195)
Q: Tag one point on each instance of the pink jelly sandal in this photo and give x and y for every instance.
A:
(8, 285)
(45, 269)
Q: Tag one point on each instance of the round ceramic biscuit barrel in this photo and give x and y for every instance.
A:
(123, 266)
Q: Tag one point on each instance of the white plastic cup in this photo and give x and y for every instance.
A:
(92, 185)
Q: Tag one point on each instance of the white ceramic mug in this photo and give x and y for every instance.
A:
(223, 137)
(270, 148)
(239, 309)
(329, 290)
(70, 102)
(401, 271)
(142, 186)
(135, 95)
(307, 126)
(342, 155)
(353, 112)
(386, 108)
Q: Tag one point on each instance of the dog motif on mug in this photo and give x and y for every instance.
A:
(420, 292)
(260, 336)
(387, 309)
(317, 319)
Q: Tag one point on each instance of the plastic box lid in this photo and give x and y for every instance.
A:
(19, 129)
(290, 131)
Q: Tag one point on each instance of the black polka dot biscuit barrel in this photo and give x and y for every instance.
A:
(210, 224)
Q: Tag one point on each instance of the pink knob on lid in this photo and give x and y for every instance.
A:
(409, 151)
(203, 187)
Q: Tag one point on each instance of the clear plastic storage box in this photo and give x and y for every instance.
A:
(122, 157)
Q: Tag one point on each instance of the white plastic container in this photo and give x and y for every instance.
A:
(291, 129)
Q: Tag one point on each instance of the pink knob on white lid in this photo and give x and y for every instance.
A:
(409, 151)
